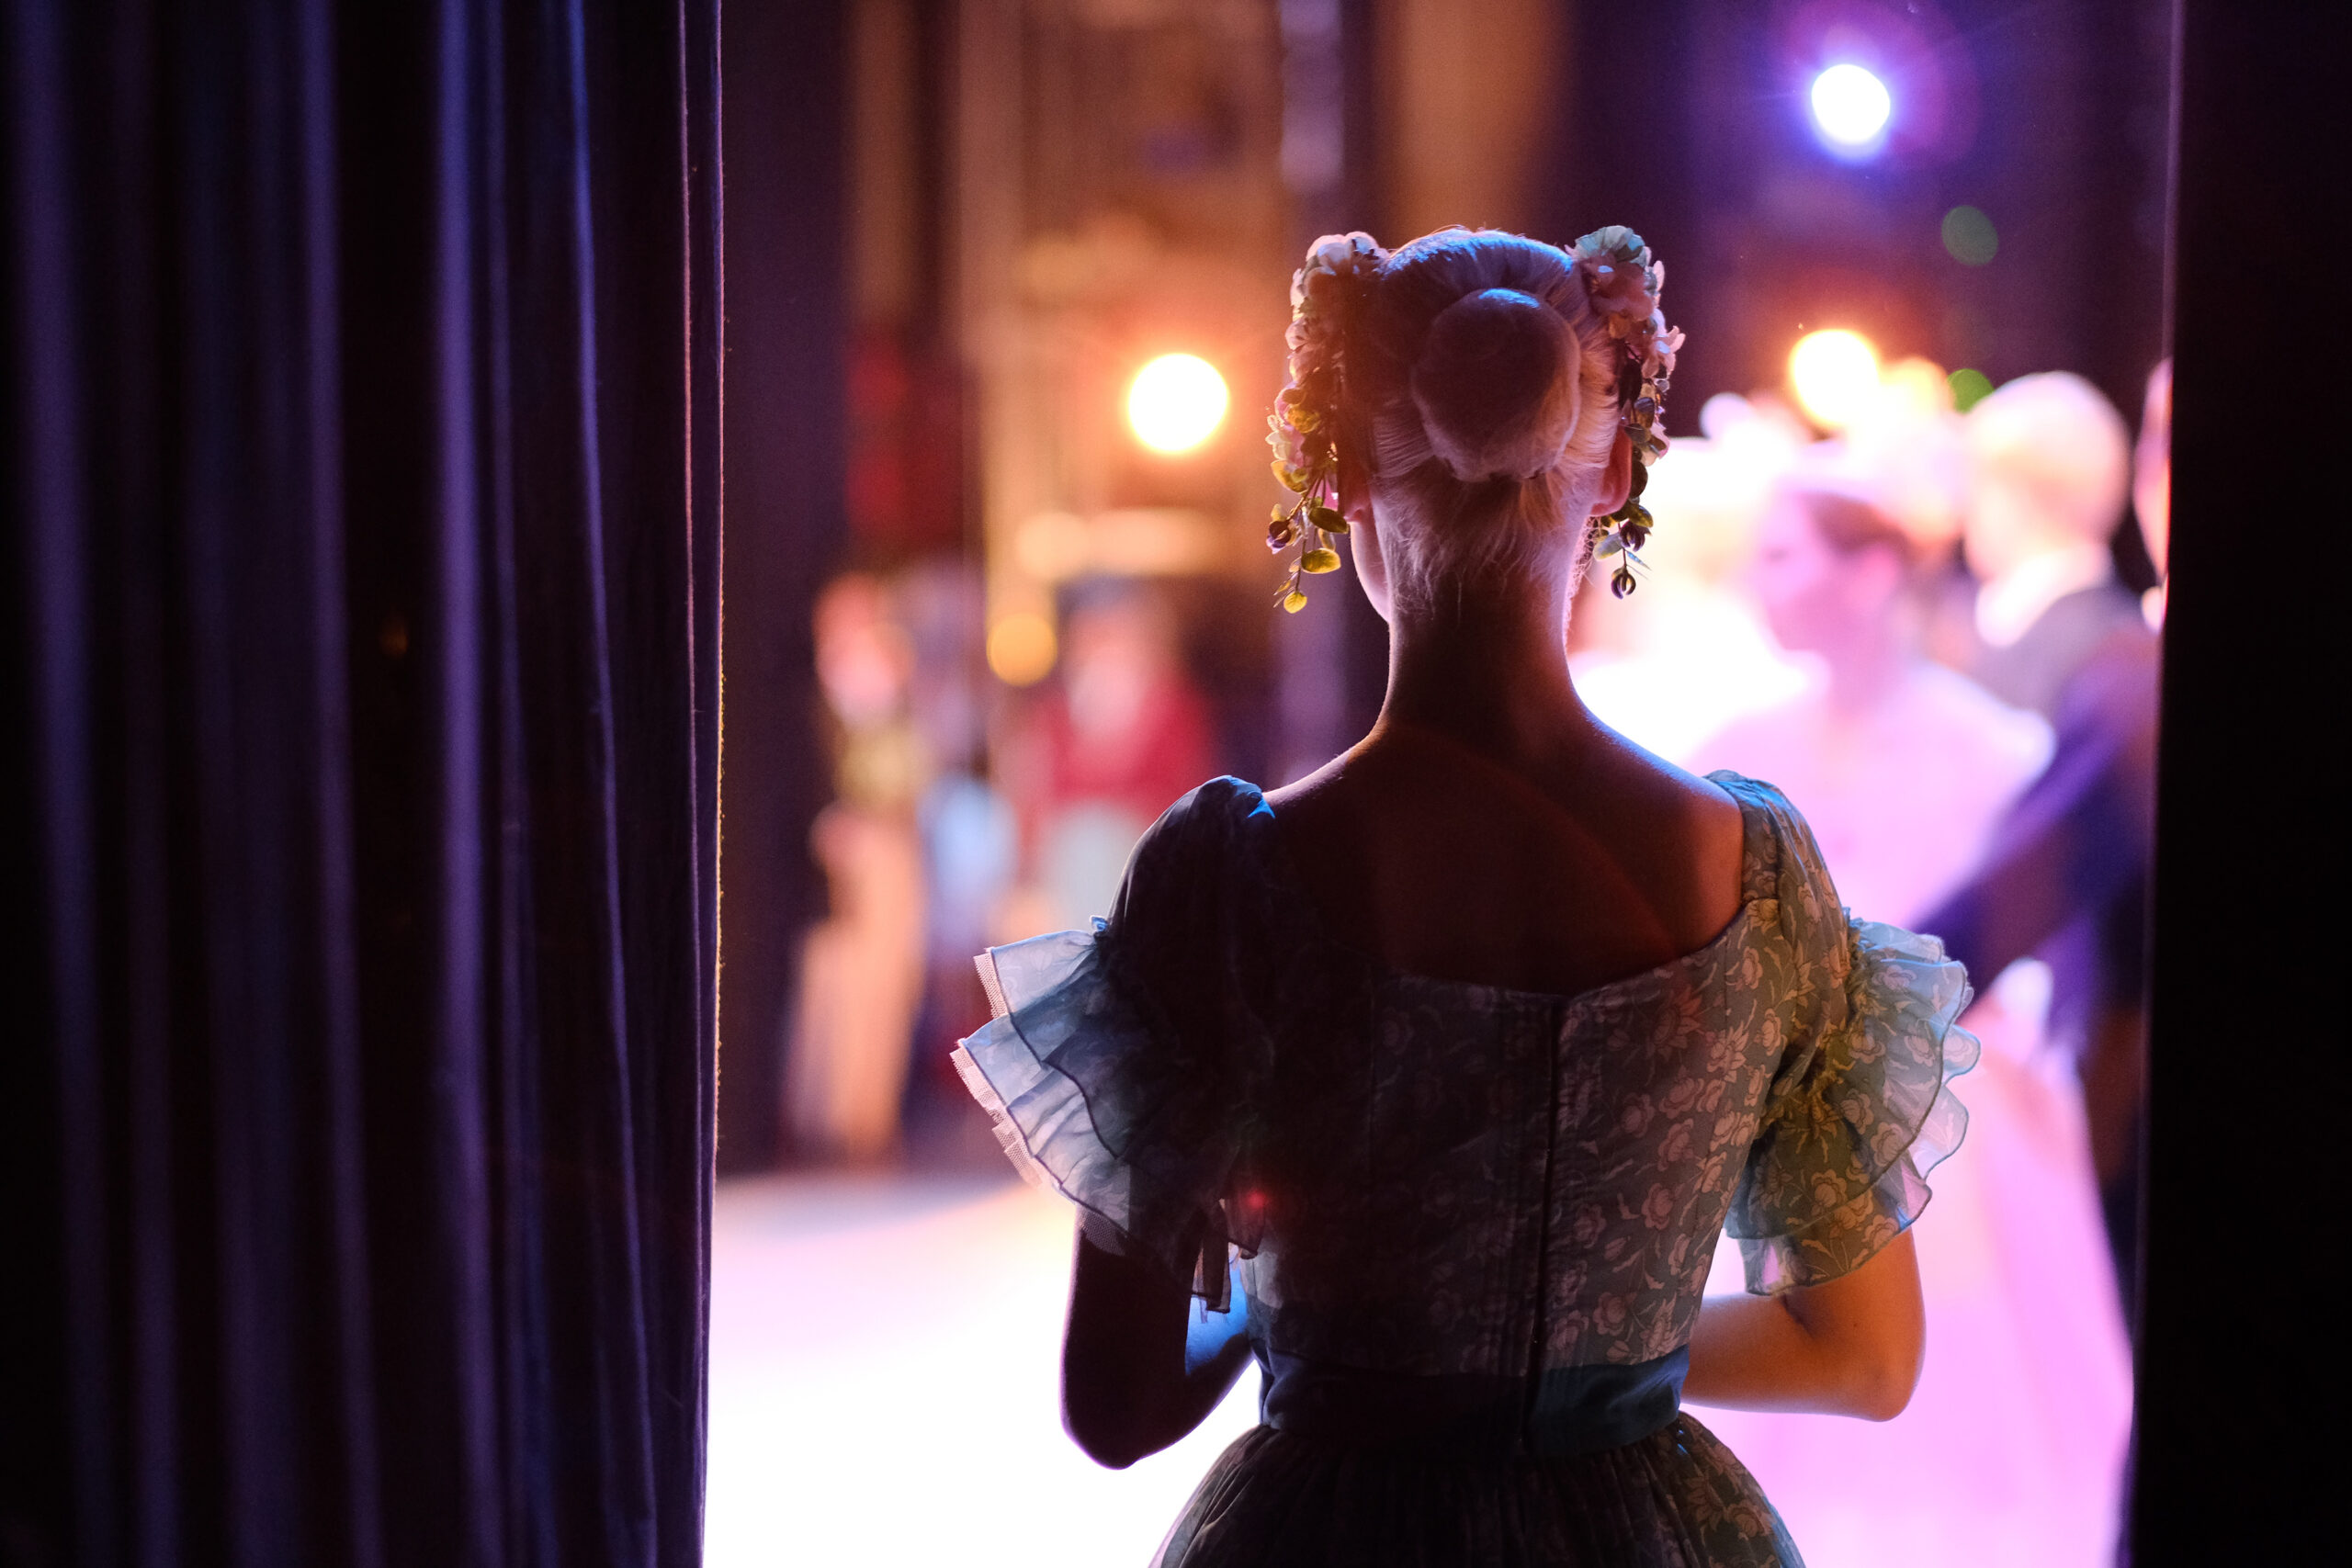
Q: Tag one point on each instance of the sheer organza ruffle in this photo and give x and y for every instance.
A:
(1855, 1123)
(1093, 1100)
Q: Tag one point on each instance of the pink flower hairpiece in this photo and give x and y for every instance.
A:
(1304, 425)
(1623, 283)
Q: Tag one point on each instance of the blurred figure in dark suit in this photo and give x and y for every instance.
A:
(2066, 876)
(2049, 465)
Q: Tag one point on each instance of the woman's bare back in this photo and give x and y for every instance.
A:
(1554, 872)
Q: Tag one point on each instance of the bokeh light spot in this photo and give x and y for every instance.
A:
(1970, 388)
(1021, 648)
(1850, 106)
(1834, 373)
(1970, 236)
(1177, 402)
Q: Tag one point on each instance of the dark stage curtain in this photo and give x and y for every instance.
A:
(359, 686)
(2239, 1344)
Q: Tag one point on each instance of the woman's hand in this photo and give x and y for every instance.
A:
(1851, 1346)
(1125, 1389)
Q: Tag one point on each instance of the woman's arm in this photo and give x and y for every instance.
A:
(1851, 1346)
(1125, 1389)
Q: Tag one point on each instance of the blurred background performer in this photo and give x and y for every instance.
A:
(1100, 753)
(862, 966)
(1881, 739)
(2049, 466)
(2011, 1449)
(2065, 876)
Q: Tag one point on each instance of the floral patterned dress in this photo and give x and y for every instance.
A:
(1470, 1226)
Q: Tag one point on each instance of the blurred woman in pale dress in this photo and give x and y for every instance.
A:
(1879, 739)
(861, 971)
(2010, 1450)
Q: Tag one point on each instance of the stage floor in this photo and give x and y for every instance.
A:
(883, 1384)
(883, 1391)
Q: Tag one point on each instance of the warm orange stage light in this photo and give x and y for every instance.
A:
(1176, 402)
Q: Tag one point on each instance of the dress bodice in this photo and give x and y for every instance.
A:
(1497, 1182)
(1472, 1197)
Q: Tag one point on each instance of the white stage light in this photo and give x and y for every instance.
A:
(1177, 402)
(1850, 106)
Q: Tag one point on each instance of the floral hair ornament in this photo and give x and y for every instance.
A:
(1623, 284)
(1323, 297)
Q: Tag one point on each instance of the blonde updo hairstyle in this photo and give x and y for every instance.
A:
(1482, 391)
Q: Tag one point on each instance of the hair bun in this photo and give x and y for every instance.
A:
(1496, 385)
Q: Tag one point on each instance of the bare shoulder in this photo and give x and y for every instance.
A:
(1689, 823)
(1340, 821)
(1301, 793)
(1697, 808)
(1716, 821)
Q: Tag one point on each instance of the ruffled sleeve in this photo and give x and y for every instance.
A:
(1118, 1067)
(1862, 1107)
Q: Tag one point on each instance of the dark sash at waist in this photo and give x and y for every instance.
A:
(1567, 1410)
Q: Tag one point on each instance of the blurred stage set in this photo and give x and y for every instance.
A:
(1006, 293)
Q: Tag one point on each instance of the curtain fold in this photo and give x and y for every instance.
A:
(361, 679)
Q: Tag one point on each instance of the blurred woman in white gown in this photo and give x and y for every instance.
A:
(2010, 1452)
(1879, 738)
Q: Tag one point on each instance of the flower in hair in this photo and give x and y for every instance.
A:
(1300, 430)
(1623, 283)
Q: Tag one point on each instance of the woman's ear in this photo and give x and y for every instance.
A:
(1372, 567)
(1617, 478)
(1356, 484)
